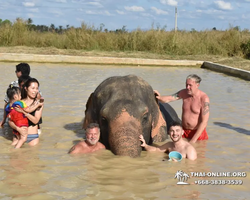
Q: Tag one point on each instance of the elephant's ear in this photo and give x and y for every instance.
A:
(90, 116)
(159, 128)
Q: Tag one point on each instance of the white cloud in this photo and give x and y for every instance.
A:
(97, 4)
(107, 13)
(223, 5)
(159, 11)
(28, 4)
(61, 1)
(169, 2)
(134, 8)
(120, 12)
(90, 12)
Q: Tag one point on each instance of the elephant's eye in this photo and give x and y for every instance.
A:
(145, 118)
(103, 121)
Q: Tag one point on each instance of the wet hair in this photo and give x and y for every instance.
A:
(26, 85)
(23, 79)
(195, 77)
(24, 68)
(92, 125)
(12, 91)
(175, 123)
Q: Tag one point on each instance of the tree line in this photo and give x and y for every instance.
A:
(53, 28)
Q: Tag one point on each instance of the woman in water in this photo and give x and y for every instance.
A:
(29, 96)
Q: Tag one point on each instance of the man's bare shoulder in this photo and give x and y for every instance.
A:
(189, 147)
(182, 92)
(78, 148)
(191, 152)
(101, 146)
(204, 97)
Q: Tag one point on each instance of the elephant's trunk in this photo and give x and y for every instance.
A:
(124, 137)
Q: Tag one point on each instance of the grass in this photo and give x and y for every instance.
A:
(224, 47)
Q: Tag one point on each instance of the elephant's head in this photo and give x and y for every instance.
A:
(125, 107)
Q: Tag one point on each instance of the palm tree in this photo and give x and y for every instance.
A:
(179, 174)
(185, 176)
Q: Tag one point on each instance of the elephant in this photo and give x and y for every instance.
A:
(125, 107)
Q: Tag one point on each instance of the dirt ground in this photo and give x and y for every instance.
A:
(236, 62)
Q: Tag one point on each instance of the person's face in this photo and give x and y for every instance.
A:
(18, 74)
(17, 96)
(32, 90)
(92, 136)
(175, 133)
(191, 86)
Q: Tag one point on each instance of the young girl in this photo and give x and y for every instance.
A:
(18, 118)
(29, 96)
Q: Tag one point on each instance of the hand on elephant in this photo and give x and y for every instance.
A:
(142, 140)
(157, 93)
(157, 96)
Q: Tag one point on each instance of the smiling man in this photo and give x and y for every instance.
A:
(177, 144)
(91, 144)
(195, 108)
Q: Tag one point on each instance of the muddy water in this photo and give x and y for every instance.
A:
(48, 172)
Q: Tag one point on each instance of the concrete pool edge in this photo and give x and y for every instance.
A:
(18, 57)
(244, 74)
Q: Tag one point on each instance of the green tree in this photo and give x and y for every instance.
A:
(29, 21)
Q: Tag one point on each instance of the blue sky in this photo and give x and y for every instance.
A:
(114, 14)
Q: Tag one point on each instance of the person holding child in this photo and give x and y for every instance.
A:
(29, 93)
(14, 96)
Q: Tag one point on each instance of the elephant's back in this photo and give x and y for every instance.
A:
(168, 113)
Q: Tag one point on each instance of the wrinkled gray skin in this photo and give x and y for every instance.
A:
(125, 107)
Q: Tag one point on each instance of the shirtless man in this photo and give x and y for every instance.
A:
(91, 143)
(195, 108)
(177, 144)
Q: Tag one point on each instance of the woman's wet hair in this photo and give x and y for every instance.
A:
(194, 77)
(26, 85)
(12, 91)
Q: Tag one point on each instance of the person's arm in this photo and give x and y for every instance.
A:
(32, 108)
(204, 116)
(4, 116)
(169, 98)
(38, 114)
(191, 153)
(22, 130)
(162, 148)
(34, 119)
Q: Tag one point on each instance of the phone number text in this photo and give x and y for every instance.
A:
(218, 182)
